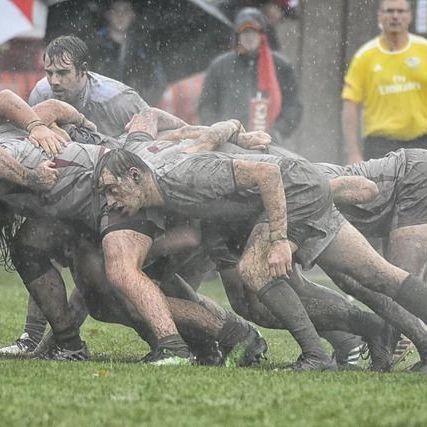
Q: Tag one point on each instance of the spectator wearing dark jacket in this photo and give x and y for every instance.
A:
(252, 83)
(125, 53)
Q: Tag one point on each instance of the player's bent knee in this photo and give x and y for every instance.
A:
(29, 262)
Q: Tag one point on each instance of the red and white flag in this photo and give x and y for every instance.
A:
(24, 18)
(16, 17)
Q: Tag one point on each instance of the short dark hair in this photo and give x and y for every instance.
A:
(68, 48)
(118, 162)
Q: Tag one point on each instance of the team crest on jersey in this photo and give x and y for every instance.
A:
(413, 62)
(377, 68)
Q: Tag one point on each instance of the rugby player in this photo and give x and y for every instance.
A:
(73, 191)
(199, 185)
(106, 102)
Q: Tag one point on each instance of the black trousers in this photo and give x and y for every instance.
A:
(375, 147)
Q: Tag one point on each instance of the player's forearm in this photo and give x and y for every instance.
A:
(185, 132)
(16, 110)
(350, 127)
(168, 121)
(13, 171)
(272, 191)
(53, 110)
(353, 190)
(216, 135)
(268, 179)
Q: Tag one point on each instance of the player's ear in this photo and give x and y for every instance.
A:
(84, 68)
(135, 174)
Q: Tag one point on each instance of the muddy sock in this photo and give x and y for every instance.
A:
(50, 295)
(175, 344)
(390, 310)
(35, 323)
(285, 304)
(412, 295)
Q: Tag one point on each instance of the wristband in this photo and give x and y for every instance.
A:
(278, 235)
(34, 124)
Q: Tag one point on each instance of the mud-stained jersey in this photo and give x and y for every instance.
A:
(374, 218)
(71, 197)
(203, 185)
(106, 102)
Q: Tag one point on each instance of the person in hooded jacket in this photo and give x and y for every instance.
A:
(252, 83)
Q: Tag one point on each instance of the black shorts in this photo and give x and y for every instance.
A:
(375, 147)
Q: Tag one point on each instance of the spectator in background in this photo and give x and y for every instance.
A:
(274, 12)
(252, 83)
(124, 53)
(387, 77)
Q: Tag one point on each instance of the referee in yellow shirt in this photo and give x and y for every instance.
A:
(387, 80)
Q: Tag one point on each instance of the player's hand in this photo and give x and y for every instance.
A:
(43, 177)
(144, 122)
(59, 131)
(257, 140)
(45, 138)
(280, 259)
(88, 124)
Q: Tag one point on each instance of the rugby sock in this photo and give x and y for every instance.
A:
(49, 293)
(391, 310)
(412, 295)
(285, 304)
(35, 323)
(329, 310)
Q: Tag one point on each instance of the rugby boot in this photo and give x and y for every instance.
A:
(207, 353)
(60, 353)
(247, 351)
(381, 348)
(403, 348)
(24, 345)
(312, 363)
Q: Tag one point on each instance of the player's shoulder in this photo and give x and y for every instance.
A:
(42, 88)
(418, 40)
(369, 48)
(104, 89)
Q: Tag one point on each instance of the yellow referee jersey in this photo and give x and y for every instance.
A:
(392, 87)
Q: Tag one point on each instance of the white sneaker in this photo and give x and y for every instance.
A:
(23, 345)
(403, 348)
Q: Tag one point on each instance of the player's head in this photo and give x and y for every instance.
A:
(119, 177)
(120, 15)
(66, 65)
(394, 16)
(249, 24)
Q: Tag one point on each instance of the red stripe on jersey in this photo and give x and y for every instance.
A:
(61, 163)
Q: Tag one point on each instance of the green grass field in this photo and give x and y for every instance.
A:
(116, 392)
